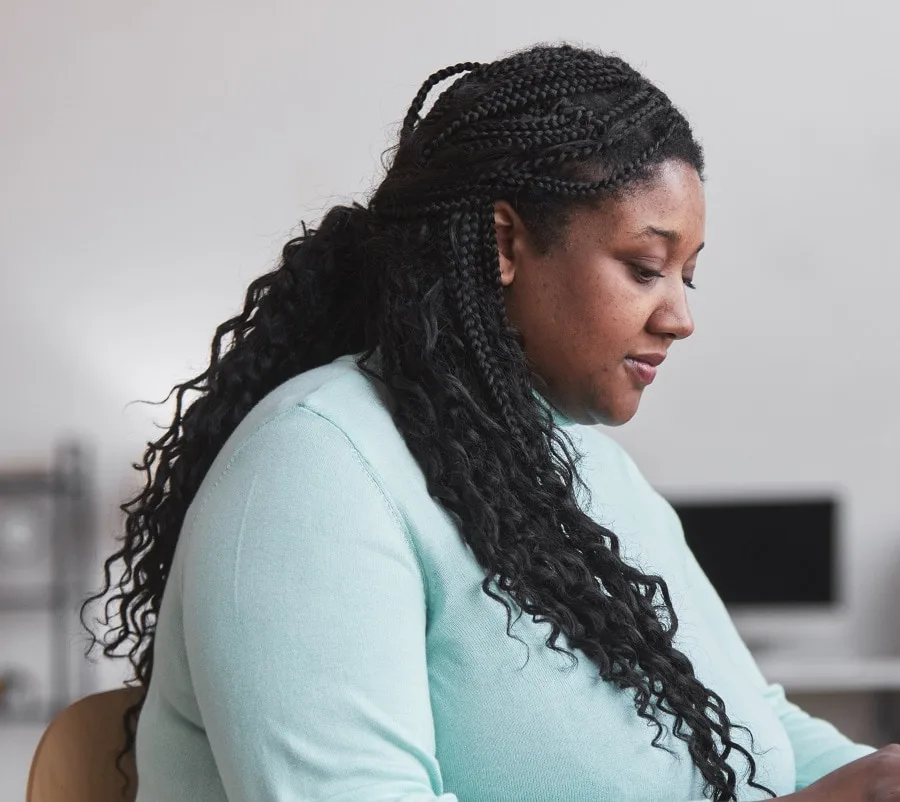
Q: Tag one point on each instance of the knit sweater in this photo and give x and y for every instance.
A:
(323, 635)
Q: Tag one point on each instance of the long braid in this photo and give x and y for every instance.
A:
(652, 667)
(413, 285)
(412, 116)
(558, 129)
(470, 285)
(508, 99)
(642, 595)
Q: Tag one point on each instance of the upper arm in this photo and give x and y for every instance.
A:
(304, 621)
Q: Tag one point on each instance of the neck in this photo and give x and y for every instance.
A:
(559, 418)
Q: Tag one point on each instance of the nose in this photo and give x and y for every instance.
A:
(672, 318)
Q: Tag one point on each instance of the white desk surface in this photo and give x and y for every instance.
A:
(830, 674)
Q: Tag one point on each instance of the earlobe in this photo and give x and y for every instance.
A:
(504, 226)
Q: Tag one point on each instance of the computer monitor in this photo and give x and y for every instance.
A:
(775, 563)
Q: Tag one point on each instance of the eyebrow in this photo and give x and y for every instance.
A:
(665, 233)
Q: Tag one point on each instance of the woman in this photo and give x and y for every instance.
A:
(381, 555)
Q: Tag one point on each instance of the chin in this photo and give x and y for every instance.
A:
(611, 414)
(615, 420)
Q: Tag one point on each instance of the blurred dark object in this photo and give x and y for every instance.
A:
(17, 692)
(45, 541)
(766, 552)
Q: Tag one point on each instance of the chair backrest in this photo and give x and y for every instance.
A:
(75, 760)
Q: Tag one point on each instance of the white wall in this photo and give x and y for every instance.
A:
(154, 157)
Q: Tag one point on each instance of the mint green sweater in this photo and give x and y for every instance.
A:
(323, 636)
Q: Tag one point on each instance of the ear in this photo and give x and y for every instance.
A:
(510, 232)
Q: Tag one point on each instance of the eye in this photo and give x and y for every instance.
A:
(644, 275)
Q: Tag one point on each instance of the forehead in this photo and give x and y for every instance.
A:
(671, 200)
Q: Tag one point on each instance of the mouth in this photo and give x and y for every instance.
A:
(644, 367)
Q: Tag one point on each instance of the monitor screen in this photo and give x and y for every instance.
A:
(765, 552)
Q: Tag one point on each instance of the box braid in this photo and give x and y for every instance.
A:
(412, 285)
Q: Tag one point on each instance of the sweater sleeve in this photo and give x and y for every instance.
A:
(819, 748)
(304, 623)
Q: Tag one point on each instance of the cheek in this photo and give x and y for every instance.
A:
(578, 327)
(602, 323)
(582, 306)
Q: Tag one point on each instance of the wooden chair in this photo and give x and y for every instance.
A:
(75, 760)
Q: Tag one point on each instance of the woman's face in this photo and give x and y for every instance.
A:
(599, 310)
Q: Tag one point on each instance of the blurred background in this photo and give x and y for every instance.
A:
(155, 156)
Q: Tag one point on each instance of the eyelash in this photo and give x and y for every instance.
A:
(645, 276)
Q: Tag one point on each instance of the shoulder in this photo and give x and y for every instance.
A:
(339, 394)
(292, 496)
(332, 411)
(299, 462)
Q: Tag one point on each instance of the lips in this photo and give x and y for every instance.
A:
(644, 366)
(653, 359)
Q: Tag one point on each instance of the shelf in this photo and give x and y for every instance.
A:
(30, 483)
(59, 495)
(33, 715)
(41, 483)
(33, 599)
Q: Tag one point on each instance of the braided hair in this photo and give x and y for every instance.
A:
(412, 285)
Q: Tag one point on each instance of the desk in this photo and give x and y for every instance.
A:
(878, 677)
(827, 674)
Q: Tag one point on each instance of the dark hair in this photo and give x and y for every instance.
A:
(414, 279)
